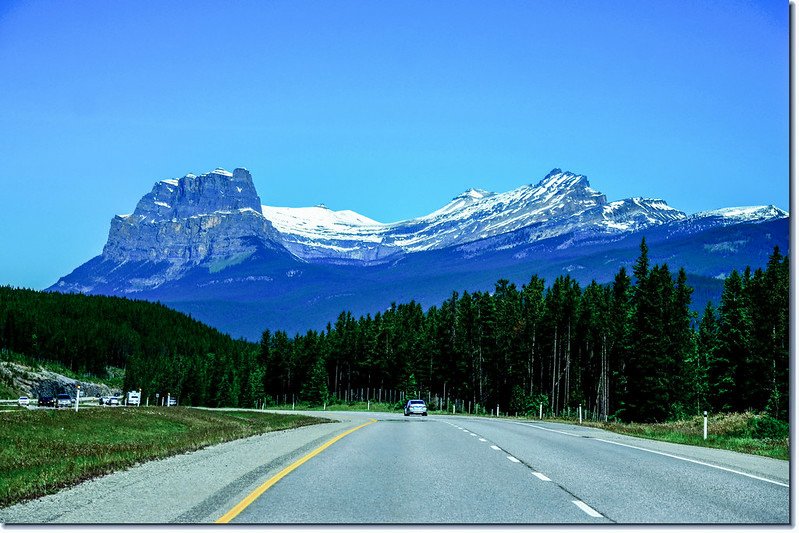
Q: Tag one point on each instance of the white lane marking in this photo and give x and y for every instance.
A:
(494, 447)
(588, 510)
(482, 440)
(545, 429)
(513, 459)
(541, 476)
(465, 430)
(696, 462)
(473, 434)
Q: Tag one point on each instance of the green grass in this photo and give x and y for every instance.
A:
(42, 451)
(752, 433)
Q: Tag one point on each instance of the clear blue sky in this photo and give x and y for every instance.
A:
(386, 108)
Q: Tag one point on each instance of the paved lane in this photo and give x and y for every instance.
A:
(414, 470)
(444, 469)
(631, 485)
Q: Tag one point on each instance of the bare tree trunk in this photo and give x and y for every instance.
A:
(335, 380)
(559, 375)
(568, 362)
(606, 380)
(531, 372)
(480, 370)
(599, 386)
(554, 355)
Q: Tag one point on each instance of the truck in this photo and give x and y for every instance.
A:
(133, 398)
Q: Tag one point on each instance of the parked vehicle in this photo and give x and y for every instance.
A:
(64, 400)
(113, 400)
(415, 407)
(46, 401)
(133, 398)
(23, 401)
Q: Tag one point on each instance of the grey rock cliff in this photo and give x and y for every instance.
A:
(37, 382)
(193, 220)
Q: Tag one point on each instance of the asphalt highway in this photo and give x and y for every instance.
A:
(453, 470)
(380, 468)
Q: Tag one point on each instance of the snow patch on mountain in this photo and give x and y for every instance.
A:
(753, 213)
(320, 221)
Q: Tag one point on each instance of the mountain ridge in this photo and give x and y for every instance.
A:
(208, 238)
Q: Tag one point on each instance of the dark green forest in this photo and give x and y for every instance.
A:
(161, 350)
(631, 350)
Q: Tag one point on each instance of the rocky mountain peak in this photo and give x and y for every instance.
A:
(193, 220)
(192, 195)
(558, 179)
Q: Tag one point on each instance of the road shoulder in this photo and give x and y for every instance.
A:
(194, 487)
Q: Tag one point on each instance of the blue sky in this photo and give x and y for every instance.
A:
(386, 108)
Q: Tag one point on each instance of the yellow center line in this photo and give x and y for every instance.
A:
(239, 507)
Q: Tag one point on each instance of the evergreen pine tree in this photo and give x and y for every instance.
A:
(733, 348)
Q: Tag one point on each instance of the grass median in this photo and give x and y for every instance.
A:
(42, 451)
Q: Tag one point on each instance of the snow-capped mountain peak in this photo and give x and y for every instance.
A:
(474, 194)
(207, 241)
(562, 204)
(751, 213)
(559, 179)
(472, 215)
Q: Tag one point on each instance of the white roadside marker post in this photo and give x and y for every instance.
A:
(168, 400)
(580, 412)
(540, 411)
(497, 410)
(77, 399)
(139, 404)
(704, 432)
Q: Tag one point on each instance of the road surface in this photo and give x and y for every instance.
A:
(387, 469)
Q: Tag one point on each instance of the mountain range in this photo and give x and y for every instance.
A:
(205, 244)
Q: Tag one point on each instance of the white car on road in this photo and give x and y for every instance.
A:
(415, 407)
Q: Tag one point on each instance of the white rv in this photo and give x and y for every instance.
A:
(133, 398)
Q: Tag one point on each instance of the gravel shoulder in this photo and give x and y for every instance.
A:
(194, 487)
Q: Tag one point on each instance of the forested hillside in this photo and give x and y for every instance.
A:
(631, 350)
(159, 348)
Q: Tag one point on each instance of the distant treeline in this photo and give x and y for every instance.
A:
(631, 350)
